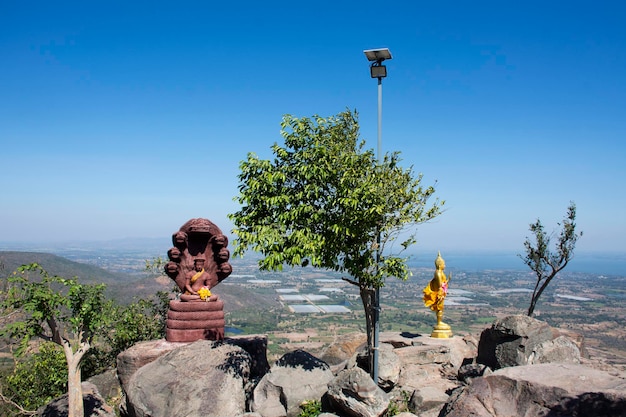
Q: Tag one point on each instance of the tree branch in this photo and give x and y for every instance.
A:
(348, 280)
(12, 403)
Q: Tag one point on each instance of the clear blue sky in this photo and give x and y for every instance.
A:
(126, 119)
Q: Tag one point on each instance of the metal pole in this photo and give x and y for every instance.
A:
(377, 290)
(380, 119)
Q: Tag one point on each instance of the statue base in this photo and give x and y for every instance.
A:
(441, 331)
(188, 321)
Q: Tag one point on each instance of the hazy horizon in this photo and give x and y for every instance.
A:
(599, 262)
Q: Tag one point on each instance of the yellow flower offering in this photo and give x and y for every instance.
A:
(204, 293)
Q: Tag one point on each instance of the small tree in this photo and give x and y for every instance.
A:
(326, 201)
(36, 380)
(57, 310)
(545, 263)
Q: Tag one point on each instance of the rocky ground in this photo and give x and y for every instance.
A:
(517, 367)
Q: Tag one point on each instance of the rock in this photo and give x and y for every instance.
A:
(107, 383)
(140, 354)
(560, 349)
(425, 354)
(353, 393)
(577, 338)
(343, 348)
(427, 400)
(296, 377)
(388, 365)
(472, 370)
(256, 346)
(514, 341)
(544, 389)
(143, 353)
(268, 399)
(93, 403)
(204, 378)
(398, 340)
(453, 351)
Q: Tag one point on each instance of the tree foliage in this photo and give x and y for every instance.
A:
(57, 310)
(326, 201)
(78, 313)
(544, 262)
(37, 379)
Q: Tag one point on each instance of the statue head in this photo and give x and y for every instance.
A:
(171, 269)
(174, 254)
(439, 262)
(220, 241)
(198, 264)
(180, 239)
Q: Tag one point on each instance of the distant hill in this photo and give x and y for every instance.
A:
(57, 265)
(121, 287)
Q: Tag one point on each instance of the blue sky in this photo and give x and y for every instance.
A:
(126, 119)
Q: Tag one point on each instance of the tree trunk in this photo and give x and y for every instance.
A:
(74, 391)
(76, 407)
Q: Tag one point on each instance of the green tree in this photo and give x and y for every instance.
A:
(542, 261)
(326, 201)
(57, 310)
(143, 319)
(36, 380)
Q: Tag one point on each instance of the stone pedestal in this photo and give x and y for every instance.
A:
(188, 321)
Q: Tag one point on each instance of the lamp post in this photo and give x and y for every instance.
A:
(377, 70)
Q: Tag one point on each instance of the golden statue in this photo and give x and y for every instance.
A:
(434, 296)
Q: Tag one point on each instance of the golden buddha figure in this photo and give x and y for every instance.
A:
(434, 296)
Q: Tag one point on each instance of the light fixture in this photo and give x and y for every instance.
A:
(376, 57)
(377, 54)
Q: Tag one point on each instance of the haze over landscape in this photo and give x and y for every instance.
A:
(126, 119)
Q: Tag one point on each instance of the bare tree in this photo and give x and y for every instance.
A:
(545, 263)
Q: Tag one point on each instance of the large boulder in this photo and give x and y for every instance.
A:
(204, 378)
(522, 340)
(296, 377)
(540, 390)
(353, 394)
(140, 354)
(429, 365)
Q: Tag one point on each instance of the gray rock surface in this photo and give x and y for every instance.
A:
(204, 378)
(353, 393)
(521, 340)
(388, 365)
(427, 400)
(343, 348)
(107, 383)
(296, 377)
(426, 371)
(561, 350)
(540, 390)
(140, 354)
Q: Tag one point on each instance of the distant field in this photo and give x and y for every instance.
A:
(258, 302)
